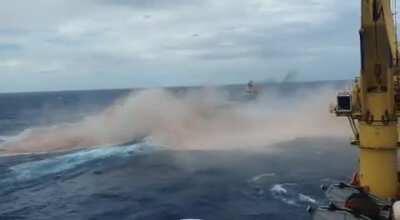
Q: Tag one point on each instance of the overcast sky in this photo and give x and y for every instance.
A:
(90, 44)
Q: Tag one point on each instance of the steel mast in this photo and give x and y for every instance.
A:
(374, 104)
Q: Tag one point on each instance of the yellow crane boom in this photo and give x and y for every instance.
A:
(373, 109)
(378, 135)
(373, 101)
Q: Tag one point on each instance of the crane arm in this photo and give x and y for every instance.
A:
(372, 102)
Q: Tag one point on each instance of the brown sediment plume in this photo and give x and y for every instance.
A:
(201, 119)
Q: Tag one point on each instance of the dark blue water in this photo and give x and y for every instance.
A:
(140, 181)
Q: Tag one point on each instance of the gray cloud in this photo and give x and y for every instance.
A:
(121, 43)
(152, 4)
(6, 47)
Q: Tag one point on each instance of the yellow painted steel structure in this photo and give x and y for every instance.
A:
(374, 103)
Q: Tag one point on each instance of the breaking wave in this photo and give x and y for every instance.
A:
(58, 164)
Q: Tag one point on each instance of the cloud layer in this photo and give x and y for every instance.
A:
(71, 44)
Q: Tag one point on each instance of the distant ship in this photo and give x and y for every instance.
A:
(251, 90)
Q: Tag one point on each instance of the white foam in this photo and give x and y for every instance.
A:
(11, 138)
(289, 196)
(306, 199)
(262, 176)
(279, 192)
(190, 219)
(278, 189)
(37, 169)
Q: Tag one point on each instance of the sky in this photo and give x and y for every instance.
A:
(104, 44)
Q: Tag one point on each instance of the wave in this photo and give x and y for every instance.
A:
(306, 199)
(191, 219)
(58, 164)
(261, 177)
(289, 196)
(5, 139)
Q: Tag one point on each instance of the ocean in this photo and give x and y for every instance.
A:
(176, 153)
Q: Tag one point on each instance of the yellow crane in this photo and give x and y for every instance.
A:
(373, 108)
(374, 104)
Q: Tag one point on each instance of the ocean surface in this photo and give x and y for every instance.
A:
(141, 180)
